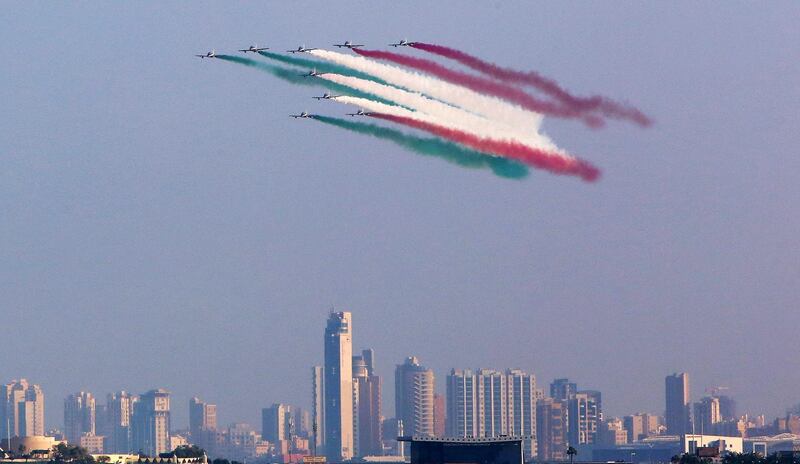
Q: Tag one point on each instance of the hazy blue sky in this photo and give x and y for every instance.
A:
(165, 224)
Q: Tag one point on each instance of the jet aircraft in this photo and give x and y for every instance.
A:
(358, 113)
(253, 48)
(348, 44)
(303, 115)
(326, 96)
(211, 54)
(402, 43)
(311, 73)
(301, 49)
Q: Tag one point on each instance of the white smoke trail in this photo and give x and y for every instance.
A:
(378, 107)
(490, 107)
(442, 113)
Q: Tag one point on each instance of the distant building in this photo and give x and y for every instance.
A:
(339, 386)
(678, 415)
(431, 450)
(202, 424)
(612, 432)
(640, 426)
(93, 443)
(414, 387)
(21, 409)
(119, 410)
(490, 403)
(439, 415)
(707, 415)
(584, 416)
(318, 409)
(277, 423)
(563, 389)
(79, 417)
(150, 424)
(366, 405)
(551, 429)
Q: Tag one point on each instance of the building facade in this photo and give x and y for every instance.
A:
(202, 424)
(150, 423)
(21, 409)
(413, 401)
(339, 387)
(551, 429)
(366, 405)
(79, 417)
(678, 416)
(117, 424)
(318, 409)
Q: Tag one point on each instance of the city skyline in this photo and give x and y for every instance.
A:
(166, 225)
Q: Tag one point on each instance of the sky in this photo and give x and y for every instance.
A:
(165, 224)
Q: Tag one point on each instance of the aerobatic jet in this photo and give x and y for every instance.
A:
(403, 43)
(326, 96)
(301, 49)
(358, 113)
(253, 48)
(211, 54)
(348, 44)
(311, 73)
(301, 115)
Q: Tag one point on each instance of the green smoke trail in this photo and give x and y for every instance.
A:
(294, 77)
(432, 146)
(321, 66)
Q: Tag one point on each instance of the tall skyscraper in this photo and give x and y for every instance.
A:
(150, 423)
(119, 409)
(339, 387)
(366, 405)
(413, 401)
(318, 409)
(21, 409)
(551, 429)
(678, 416)
(522, 408)
(461, 404)
(79, 416)
(203, 424)
(585, 415)
(277, 423)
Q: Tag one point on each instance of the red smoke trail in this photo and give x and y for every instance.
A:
(485, 86)
(548, 86)
(541, 159)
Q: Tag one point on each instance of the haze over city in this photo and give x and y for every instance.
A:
(166, 225)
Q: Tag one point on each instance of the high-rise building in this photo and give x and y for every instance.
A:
(678, 415)
(584, 417)
(318, 410)
(562, 389)
(119, 409)
(551, 429)
(707, 415)
(461, 404)
(366, 405)
(439, 415)
(277, 423)
(339, 387)
(490, 403)
(79, 416)
(727, 407)
(612, 432)
(150, 423)
(21, 409)
(521, 414)
(203, 424)
(413, 400)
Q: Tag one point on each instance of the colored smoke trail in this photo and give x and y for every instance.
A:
(467, 99)
(294, 77)
(453, 116)
(531, 156)
(546, 85)
(433, 146)
(320, 66)
(443, 114)
(485, 86)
